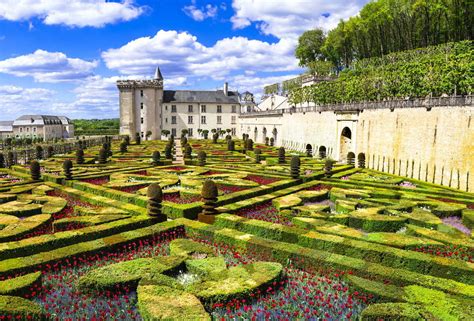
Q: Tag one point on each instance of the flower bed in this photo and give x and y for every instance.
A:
(265, 212)
(262, 180)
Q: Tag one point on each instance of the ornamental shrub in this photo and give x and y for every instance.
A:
(215, 136)
(2, 161)
(281, 155)
(138, 139)
(202, 158)
(49, 151)
(169, 151)
(209, 195)
(258, 155)
(188, 151)
(102, 156)
(35, 170)
(267, 141)
(156, 158)
(328, 164)
(155, 197)
(127, 139)
(249, 144)
(184, 141)
(295, 167)
(67, 167)
(123, 147)
(272, 141)
(10, 159)
(309, 150)
(39, 152)
(230, 145)
(80, 156)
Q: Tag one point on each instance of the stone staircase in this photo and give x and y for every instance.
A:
(179, 157)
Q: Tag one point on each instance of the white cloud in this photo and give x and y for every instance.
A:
(45, 66)
(180, 54)
(73, 13)
(289, 19)
(199, 14)
(18, 100)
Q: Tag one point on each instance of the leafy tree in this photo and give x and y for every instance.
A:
(310, 47)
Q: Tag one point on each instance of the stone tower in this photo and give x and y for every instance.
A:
(140, 106)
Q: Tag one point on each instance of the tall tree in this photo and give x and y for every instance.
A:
(309, 47)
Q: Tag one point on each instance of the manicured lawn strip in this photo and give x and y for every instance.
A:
(21, 285)
(282, 252)
(29, 263)
(439, 236)
(20, 308)
(99, 200)
(372, 252)
(50, 242)
(346, 173)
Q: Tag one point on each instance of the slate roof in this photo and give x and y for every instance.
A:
(6, 126)
(200, 96)
(37, 120)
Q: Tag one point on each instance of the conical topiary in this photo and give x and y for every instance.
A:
(67, 167)
(188, 151)
(214, 138)
(49, 151)
(155, 197)
(102, 156)
(272, 141)
(295, 167)
(138, 139)
(267, 141)
(281, 155)
(123, 147)
(35, 170)
(202, 158)
(39, 152)
(258, 155)
(249, 144)
(169, 151)
(328, 163)
(209, 197)
(80, 156)
(2, 161)
(309, 151)
(10, 159)
(184, 141)
(156, 158)
(230, 145)
(127, 140)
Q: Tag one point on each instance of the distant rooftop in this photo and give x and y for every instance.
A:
(41, 120)
(6, 126)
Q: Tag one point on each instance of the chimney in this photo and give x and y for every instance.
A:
(226, 89)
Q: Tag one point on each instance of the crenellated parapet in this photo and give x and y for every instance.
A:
(147, 83)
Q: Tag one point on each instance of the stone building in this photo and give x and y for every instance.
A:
(38, 126)
(146, 108)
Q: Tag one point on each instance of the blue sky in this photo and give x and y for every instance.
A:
(64, 57)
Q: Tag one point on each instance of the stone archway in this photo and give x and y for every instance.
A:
(345, 143)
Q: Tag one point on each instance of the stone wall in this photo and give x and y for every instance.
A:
(434, 144)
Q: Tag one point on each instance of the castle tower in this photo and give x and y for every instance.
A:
(140, 106)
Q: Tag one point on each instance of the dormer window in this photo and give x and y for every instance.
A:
(32, 120)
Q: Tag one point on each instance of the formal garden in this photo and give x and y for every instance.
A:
(125, 229)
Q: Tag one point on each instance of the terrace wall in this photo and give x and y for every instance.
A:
(425, 141)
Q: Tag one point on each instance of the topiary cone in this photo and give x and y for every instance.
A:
(102, 156)
(209, 195)
(155, 197)
(258, 155)
(2, 161)
(156, 158)
(35, 170)
(67, 167)
(202, 158)
(80, 156)
(295, 167)
(281, 155)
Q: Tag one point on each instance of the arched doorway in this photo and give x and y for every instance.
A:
(345, 143)
(361, 160)
(322, 152)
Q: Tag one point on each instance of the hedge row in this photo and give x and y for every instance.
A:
(284, 252)
(28, 263)
(371, 252)
(50, 242)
